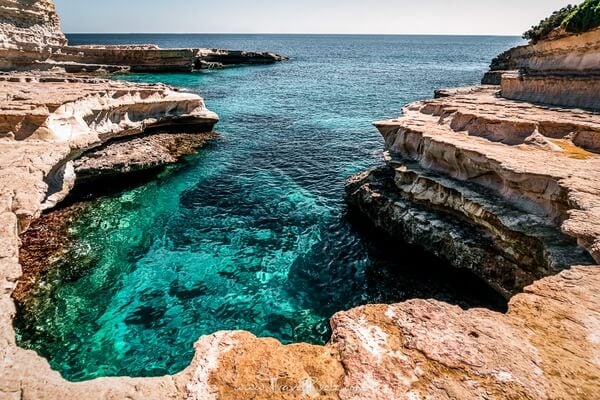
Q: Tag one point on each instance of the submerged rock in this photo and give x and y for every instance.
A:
(128, 156)
(488, 182)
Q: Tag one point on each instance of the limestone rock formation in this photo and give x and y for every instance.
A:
(29, 29)
(545, 347)
(58, 117)
(570, 53)
(559, 89)
(505, 188)
(31, 38)
(513, 172)
(29, 23)
(511, 191)
(128, 156)
(562, 70)
(148, 58)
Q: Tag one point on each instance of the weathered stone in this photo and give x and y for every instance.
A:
(466, 166)
(31, 39)
(541, 349)
(476, 136)
(29, 23)
(562, 70)
(570, 53)
(562, 90)
(127, 156)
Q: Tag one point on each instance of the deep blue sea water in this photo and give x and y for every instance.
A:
(253, 232)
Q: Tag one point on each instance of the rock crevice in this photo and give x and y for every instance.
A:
(502, 187)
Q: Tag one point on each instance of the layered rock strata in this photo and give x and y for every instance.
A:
(31, 38)
(519, 185)
(560, 89)
(29, 24)
(121, 157)
(464, 170)
(563, 70)
(147, 58)
(568, 53)
(545, 347)
(511, 191)
(58, 117)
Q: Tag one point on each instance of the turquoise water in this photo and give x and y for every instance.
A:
(253, 232)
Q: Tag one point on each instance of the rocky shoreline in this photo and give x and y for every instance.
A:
(503, 187)
(46, 240)
(31, 38)
(513, 180)
(504, 181)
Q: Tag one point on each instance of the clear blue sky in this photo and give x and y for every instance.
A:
(505, 17)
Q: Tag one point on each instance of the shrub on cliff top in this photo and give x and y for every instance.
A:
(583, 18)
(540, 31)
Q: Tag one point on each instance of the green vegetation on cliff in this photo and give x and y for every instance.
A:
(584, 18)
(574, 19)
(547, 25)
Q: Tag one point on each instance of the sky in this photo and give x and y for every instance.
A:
(477, 17)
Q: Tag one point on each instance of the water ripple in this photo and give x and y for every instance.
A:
(252, 233)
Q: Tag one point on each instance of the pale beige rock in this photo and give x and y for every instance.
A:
(564, 53)
(542, 162)
(29, 23)
(476, 136)
(47, 120)
(31, 38)
(546, 347)
(567, 91)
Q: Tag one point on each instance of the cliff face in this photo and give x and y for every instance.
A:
(563, 70)
(510, 190)
(28, 23)
(507, 189)
(29, 30)
(572, 53)
(497, 182)
(65, 116)
(31, 38)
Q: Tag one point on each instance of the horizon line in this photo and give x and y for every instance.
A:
(295, 33)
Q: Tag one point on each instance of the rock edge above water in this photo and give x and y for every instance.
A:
(545, 347)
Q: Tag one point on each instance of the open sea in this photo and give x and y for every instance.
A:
(253, 232)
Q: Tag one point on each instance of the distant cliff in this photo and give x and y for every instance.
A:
(572, 53)
(563, 70)
(31, 38)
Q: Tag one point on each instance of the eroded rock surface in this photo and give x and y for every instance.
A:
(128, 156)
(559, 89)
(509, 190)
(30, 23)
(569, 53)
(31, 39)
(545, 347)
(506, 189)
(562, 70)
(47, 121)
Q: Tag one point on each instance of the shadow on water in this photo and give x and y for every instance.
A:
(252, 234)
(396, 272)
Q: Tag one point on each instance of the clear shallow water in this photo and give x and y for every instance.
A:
(253, 232)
